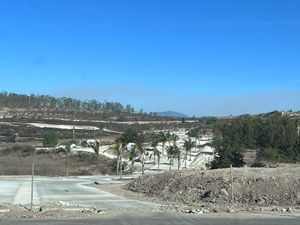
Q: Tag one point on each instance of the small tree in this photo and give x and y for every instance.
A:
(117, 149)
(68, 154)
(133, 154)
(173, 152)
(141, 152)
(50, 140)
(156, 152)
(131, 136)
(163, 138)
(188, 145)
(96, 148)
(174, 138)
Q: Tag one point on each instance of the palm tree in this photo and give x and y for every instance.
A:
(96, 148)
(141, 152)
(169, 137)
(163, 139)
(133, 154)
(154, 144)
(117, 149)
(157, 154)
(188, 145)
(177, 154)
(68, 153)
(173, 152)
(174, 138)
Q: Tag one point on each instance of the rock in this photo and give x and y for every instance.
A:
(289, 210)
(207, 194)
(215, 210)
(101, 212)
(224, 193)
(213, 200)
(4, 210)
(187, 211)
(206, 211)
(261, 201)
(230, 210)
(63, 204)
(97, 183)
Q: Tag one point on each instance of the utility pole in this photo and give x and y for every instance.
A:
(121, 155)
(32, 178)
(232, 190)
(29, 100)
(73, 133)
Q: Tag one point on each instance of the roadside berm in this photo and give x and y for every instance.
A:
(275, 189)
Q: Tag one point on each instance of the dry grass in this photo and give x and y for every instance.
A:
(17, 160)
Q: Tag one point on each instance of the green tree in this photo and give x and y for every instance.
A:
(227, 155)
(174, 138)
(156, 152)
(50, 139)
(188, 146)
(163, 138)
(133, 154)
(173, 152)
(131, 136)
(141, 153)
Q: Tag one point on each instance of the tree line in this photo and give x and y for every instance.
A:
(13, 100)
(276, 138)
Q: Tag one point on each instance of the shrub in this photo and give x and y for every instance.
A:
(50, 140)
(271, 154)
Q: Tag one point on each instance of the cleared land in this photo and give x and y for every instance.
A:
(255, 189)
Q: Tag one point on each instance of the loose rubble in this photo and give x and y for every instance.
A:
(198, 191)
(51, 210)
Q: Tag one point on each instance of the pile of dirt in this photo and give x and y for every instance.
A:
(269, 187)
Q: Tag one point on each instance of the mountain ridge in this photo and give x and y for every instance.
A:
(170, 113)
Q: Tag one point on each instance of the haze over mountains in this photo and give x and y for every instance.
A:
(171, 114)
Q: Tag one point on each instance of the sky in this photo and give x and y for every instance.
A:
(203, 58)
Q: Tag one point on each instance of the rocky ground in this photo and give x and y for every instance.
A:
(62, 210)
(52, 210)
(255, 189)
(273, 191)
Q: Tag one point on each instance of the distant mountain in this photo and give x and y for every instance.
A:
(171, 114)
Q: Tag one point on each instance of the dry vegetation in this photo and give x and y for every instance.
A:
(17, 159)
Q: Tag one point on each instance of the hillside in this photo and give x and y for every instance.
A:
(171, 114)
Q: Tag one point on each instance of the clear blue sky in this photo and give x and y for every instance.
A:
(197, 57)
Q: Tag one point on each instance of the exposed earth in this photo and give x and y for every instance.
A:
(255, 189)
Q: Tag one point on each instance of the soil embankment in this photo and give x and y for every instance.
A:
(253, 187)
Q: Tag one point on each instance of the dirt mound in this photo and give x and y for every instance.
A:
(196, 187)
(178, 187)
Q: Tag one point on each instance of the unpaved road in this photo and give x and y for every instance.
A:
(164, 219)
(72, 190)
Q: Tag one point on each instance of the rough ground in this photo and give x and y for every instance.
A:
(254, 188)
(51, 210)
(60, 210)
